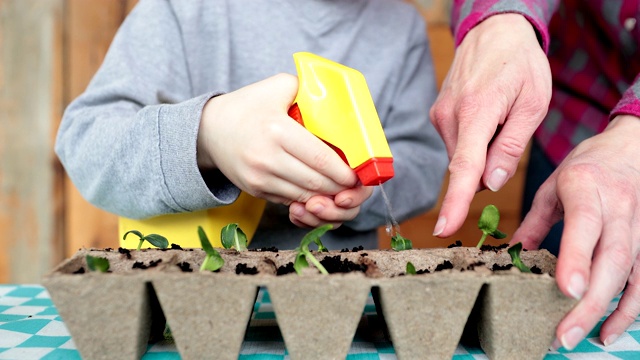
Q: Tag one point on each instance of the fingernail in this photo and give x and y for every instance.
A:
(440, 224)
(297, 210)
(556, 345)
(316, 209)
(571, 338)
(497, 179)
(577, 286)
(345, 202)
(610, 339)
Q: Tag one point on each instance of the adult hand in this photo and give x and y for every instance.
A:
(596, 190)
(249, 137)
(320, 210)
(494, 97)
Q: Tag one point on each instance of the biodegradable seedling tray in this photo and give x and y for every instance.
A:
(115, 314)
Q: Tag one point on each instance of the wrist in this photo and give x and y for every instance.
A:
(627, 123)
(511, 24)
(204, 159)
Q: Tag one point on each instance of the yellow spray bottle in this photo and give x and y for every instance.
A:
(334, 103)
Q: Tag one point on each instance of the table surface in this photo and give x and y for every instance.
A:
(31, 328)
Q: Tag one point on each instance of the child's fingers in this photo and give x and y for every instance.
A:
(353, 197)
(325, 209)
(301, 217)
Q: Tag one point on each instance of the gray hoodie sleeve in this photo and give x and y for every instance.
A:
(129, 141)
(419, 155)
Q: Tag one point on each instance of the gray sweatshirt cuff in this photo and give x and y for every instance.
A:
(178, 126)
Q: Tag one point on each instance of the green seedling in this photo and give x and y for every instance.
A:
(212, 261)
(232, 236)
(411, 270)
(399, 243)
(304, 254)
(98, 264)
(488, 223)
(156, 240)
(514, 251)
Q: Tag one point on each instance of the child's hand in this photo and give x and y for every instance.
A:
(320, 210)
(249, 137)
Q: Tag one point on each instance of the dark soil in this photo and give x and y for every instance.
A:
(242, 268)
(173, 247)
(125, 252)
(263, 249)
(286, 269)
(185, 266)
(494, 248)
(141, 265)
(443, 266)
(335, 264)
(471, 267)
(458, 243)
(79, 271)
(355, 249)
(496, 267)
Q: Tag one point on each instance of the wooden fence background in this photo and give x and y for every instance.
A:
(49, 50)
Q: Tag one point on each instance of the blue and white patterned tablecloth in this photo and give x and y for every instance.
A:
(30, 328)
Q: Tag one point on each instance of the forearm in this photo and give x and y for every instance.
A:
(138, 162)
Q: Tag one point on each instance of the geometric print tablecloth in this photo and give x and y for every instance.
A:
(30, 328)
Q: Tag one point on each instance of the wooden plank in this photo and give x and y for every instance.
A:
(57, 109)
(91, 25)
(27, 37)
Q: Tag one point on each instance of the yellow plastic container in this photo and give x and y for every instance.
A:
(182, 229)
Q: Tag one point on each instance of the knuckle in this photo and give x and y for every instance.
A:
(579, 170)
(304, 196)
(255, 184)
(468, 105)
(620, 257)
(315, 184)
(285, 78)
(512, 147)
(274, 129)
(462, 163)
(626, 314)
(440, 113)
(257, 193)
(321, 160)
(594, 307)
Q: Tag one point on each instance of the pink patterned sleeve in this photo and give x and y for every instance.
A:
(468, 13)
(630, 102)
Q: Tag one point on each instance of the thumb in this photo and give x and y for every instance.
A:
(545, 212)
(286, 86)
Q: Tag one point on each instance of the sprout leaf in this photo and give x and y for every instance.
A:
(232, 236)
(98, 264)
(514, 251)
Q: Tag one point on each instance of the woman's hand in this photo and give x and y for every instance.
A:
(494, 97)
(596, 189)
